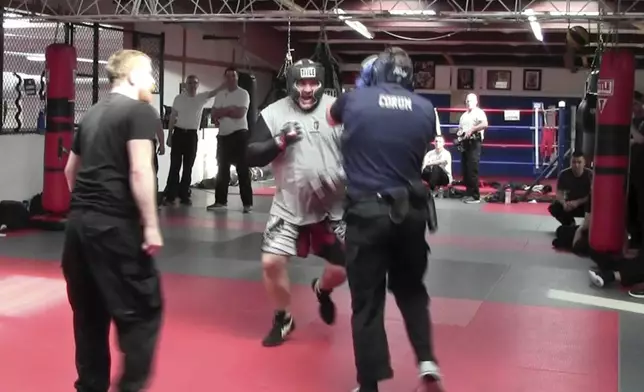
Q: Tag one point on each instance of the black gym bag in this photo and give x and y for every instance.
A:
(14, 215)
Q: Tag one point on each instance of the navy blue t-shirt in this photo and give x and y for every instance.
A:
(387, 130)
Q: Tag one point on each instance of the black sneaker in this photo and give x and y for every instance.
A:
(186, 201)
(471, 200)
(169, 202)
(283, 325)
(216, 206)
(327, 307)
(363, 388)
(601, 278)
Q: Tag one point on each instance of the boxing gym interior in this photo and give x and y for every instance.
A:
(511, 312)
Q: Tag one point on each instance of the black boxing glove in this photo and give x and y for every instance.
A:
(290, 133)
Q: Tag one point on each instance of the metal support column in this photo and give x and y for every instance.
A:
(562, 127)
(95, 58)
(161, 72)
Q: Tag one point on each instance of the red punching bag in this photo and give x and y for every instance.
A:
(612, 147)
(61, 69)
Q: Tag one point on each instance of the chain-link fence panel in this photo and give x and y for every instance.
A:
(83, 41)
(111, 40)
(23, 81)
(153, 46)
(94, 45)
(24, 74)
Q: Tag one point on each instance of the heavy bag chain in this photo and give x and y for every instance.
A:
(324, 56)
(288, 59)
(280, 80)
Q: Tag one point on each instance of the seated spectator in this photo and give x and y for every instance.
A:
(437, 165)
(573, 191)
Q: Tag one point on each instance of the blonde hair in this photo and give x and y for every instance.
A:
(121, 63)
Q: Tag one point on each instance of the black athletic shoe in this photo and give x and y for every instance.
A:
(186, 201)
(283, 325)
(601, 278)
(216, 206)
(363, 388)
(327, 307)
(169, 202)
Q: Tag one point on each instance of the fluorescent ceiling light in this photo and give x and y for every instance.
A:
(40, 57)
(357, 26)
(534, 25)
(572, 13)
(412, 12)
(20, 21)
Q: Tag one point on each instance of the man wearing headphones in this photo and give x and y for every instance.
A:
(388, 127)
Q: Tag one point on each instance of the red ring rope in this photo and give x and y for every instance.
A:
(500, 145)
(531, 111)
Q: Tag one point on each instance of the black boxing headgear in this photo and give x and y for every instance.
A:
(305, 98)
(393, 66)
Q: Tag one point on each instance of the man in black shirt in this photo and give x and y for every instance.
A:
(573, 191)
(113, 230)
(386, 130)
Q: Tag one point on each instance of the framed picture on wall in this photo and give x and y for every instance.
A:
(532, 79)
(499, 79)
(424, 75)
(465, 79)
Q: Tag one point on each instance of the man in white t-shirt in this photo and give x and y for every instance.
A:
(437, 165)
(230, 113)
(185, 120)
(471, 129)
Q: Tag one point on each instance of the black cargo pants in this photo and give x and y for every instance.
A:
(381, 254)
(109, 278)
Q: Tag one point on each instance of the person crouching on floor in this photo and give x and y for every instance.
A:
(437, 165)
(573, 191)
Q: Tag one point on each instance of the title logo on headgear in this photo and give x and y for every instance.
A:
(307, 72)
(398, 71)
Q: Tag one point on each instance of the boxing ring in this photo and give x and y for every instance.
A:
(519, 143)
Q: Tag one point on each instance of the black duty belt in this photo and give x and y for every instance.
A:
(399, 200)
(184, 129)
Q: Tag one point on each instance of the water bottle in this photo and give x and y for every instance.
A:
(508, 195)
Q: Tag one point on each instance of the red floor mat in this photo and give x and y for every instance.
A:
(484, 190)
(213, 327)
(517, 208)
(265, 191)
(18, 233)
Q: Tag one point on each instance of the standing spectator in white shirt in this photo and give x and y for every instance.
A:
(437, 165)
(185, 120)
(471, 128)
(230, 113)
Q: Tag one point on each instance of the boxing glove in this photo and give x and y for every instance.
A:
(327, 189)
(290, 133)
(333, 182)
